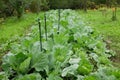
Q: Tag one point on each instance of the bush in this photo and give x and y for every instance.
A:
(17, 5)
(5, 9)
(38, 5)
(44, 5)
(35, 6)
(2, 6)
(92, 5)
(55, 4)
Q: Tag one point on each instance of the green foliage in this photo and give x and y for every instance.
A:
(10, 7)
(24, 66)
(5, 9)
(13, 61)
(77, 52)
(34, 76)
(18, 6)
(3, 76)
(110, 30)
(39, 61)
(44, 5)
(35, 5)
(38, 5)
(2, 7)
(60, 4)
(85, 66)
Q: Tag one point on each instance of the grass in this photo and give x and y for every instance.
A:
(15, 27)
(105, 26)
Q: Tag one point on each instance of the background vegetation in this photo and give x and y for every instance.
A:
(17, 7)
(18, 17)
(76, 53)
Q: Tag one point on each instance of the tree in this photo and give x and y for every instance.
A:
(108, 3)
(85, 5)
(118, 1)
(35, 6)
(17, 5)
(2, 7)
(60, 4)
(44, 5)
(114, 17)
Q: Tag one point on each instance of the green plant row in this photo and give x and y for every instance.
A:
(76, 53)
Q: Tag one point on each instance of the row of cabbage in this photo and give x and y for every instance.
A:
(76, 53)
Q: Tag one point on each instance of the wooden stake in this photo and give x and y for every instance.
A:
(45, 26)
(58, 21)
(40, 34)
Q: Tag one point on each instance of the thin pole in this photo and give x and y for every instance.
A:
(45, 25)
(58, 20)
(40, 34)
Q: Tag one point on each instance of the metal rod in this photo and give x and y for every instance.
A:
(58, 20)
(40, 33)
(45, 26)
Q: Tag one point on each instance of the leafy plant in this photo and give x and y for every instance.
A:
(76, 53)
